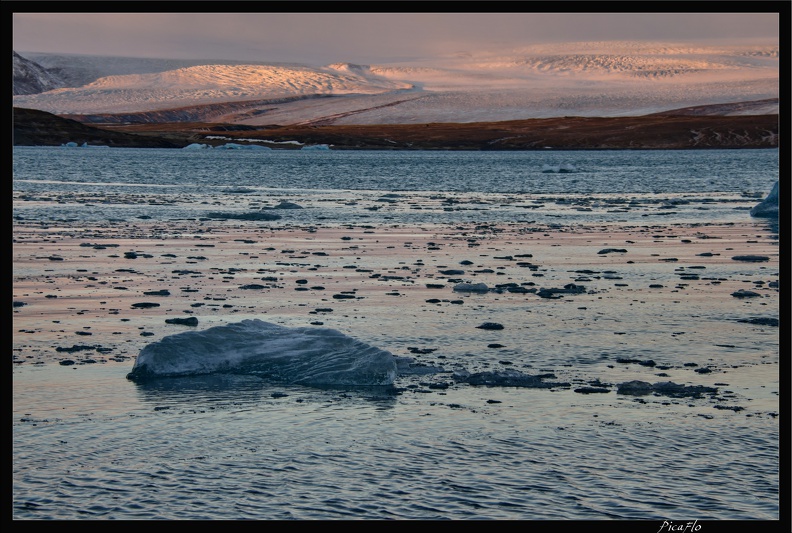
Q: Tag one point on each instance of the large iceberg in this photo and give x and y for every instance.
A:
(768, 208)
(302, 355)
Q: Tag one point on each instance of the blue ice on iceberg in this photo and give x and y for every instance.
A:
(316, 147)
(301, 355)
(197, 146)
(767, 208)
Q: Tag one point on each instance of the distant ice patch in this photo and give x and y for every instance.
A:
(250, 140)
(316, 147)
(73, 144)
(303, 355)
(227, 146)
(236, 146)
(565, 168)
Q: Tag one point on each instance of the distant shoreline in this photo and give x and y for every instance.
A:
(649, 132)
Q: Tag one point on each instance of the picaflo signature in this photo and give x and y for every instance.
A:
(681, 527)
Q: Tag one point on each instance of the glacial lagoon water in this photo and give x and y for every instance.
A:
(90, 444)
(106, 184)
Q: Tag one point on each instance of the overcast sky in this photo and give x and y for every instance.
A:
(321, 38)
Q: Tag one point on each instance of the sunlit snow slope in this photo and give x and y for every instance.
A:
(584, 79)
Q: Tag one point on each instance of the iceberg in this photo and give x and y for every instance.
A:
(471, 287)
(72, 144)
(316, 147)
(235, 146)
(302, 356)
(768, 208)
(559, 169)
(226, 146)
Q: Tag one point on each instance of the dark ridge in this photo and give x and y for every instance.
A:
(648, 132)
(39, 128)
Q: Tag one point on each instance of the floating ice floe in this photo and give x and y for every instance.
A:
(471, 287)
(73, 144)
(768, 208)
(287, 205)
(302, 355)
(245, 215)
(565, 168)
(235, 146)
(316, 147)
(227, 146)
(509, 378)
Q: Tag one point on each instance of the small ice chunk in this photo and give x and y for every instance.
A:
(471, 287)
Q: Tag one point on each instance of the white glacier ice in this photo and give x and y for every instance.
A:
(613, 78)
(226, 146)
(236, 146)
(301, 355)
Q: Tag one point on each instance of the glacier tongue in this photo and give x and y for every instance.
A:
(302, 355)
(603, 78)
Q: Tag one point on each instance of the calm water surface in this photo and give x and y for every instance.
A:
(88, 444)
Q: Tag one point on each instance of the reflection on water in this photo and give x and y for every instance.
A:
(199, 391)
(217, 390)
(231, 447)
(772, 226)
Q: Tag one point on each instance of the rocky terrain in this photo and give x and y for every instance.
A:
(659, 131)
(32, 78)
(38, 128)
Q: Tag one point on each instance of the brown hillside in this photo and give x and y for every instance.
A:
(563, 133)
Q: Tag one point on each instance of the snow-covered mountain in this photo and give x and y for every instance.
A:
(583, 79)
(32, 78)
